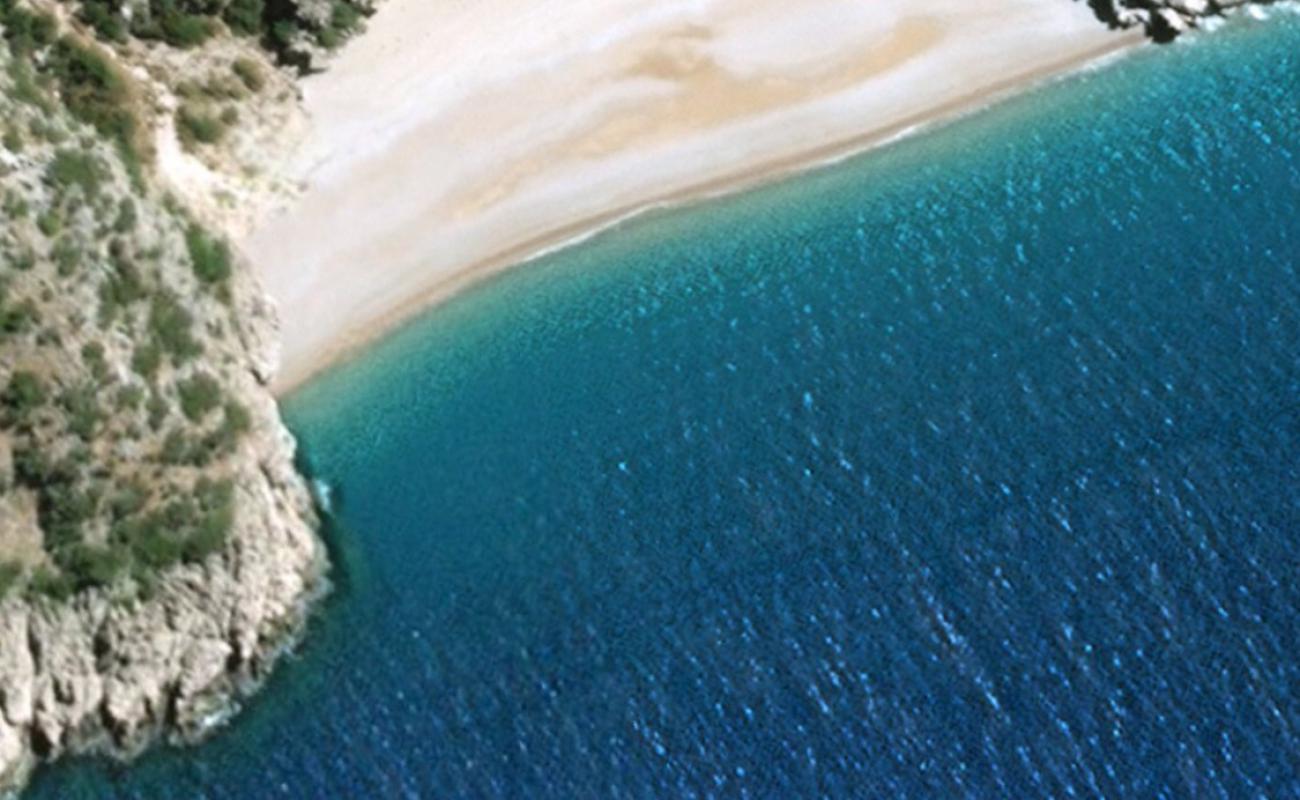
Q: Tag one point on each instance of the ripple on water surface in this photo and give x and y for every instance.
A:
(966, 469)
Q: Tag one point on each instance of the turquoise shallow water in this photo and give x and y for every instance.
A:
(965, 469)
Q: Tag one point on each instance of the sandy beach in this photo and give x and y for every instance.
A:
(455, 139)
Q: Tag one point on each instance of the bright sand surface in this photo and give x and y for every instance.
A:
(456, 138)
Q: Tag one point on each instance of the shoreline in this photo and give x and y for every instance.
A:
(415, 193)
(346, 347)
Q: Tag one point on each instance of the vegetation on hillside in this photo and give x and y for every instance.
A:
(117, 419)
(281, 25)
(48, 70)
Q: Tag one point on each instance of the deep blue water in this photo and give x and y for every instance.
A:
(965, 469)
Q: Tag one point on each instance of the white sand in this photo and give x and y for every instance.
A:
(455, 138)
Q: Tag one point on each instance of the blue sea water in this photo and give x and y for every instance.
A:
(964, 469)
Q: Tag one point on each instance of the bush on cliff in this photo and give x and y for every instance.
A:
(52, 585)
(87, 567)
(25, 394)
(97, 93)
(71, 168)
(10, 575)
(105, 17)
(195, 126)
(172, 328)
(246, 17)
(199, 395)
(209, 256)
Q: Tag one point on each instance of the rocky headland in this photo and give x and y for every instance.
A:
(158, 548)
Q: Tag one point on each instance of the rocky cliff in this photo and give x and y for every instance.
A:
(1164, 19)
(157, 547)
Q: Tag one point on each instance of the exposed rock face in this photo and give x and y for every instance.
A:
(99, 675)
(1164, 19)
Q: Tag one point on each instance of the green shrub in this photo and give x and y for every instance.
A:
(170, 325)
(49, 337)
(186, 30)
(73, 168)
(88, 567)
(13, 139)
(25, 394)
(284, 32)
(125, 286)
(10, 575)
(175, 449)
(195, 126)
(50, 223)
(190, 90)
(82, 408)
(246, 17)
(216, 502)
(129, 501)
(92, 355)
(157, 539)
(47, 131)
(152, 545)
(99, 94)
(249, 73)
(67, 256)
(199, 395)
(236, 422)
(209, 256)
(63, 501)
(234, 425)
(15, 205)
(146, 359)
(206, 540)
(344, 20)
(19, 318)
(26, 31)
(30, 466)
(158, 410)
(60, 526)
(126, 216)
(128, 398)
(53, 585)
(328, 38)
(188, 23)
(25, 88)
(223, 87)
(104, 18)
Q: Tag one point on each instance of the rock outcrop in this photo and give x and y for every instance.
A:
(1164, 19)
(97, 674)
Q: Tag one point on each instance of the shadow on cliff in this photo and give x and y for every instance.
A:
(328, 500)
(1105, 11)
